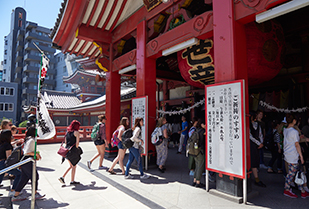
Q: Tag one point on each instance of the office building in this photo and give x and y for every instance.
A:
(22, 59)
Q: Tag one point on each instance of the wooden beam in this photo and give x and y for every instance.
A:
(93, 34)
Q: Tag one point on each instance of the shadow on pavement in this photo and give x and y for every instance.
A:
(81, 187)
(45, 169)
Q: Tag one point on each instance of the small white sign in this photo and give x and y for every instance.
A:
(225, 128)
(140, 109)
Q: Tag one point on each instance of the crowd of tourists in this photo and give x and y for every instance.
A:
(24, 173)
(286, 140)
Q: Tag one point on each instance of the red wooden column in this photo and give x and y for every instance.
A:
(230, 52)
(112, 110)
(146, 77)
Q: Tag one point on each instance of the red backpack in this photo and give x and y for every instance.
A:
(115, 139)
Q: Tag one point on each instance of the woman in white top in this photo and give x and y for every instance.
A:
(292, 153)
(134, 150)
(124, 124)
(26, 169)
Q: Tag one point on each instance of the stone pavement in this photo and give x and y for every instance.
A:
(168, 190)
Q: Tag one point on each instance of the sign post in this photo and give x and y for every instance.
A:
(140, 109)
(225, 130)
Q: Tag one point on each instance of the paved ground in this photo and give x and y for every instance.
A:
(169, 190)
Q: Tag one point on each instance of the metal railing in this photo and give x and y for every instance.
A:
(5, 170)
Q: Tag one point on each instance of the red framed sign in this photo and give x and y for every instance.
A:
(140, 109)
(225, 128)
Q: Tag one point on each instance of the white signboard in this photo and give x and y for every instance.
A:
(140, 109)
(225, 128)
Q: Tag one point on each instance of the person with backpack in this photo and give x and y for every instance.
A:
(27, 169)
(73, 156)
(292, 153)
(99, 141)
(198, 140)
(134, 150)
(124, 124)
(5, 151)
(274, 147)
(161, 148)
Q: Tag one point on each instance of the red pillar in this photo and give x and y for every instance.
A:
(230, 52)
(112, 102)
(146, 77)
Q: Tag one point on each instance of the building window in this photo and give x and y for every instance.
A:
(64, 69)
(12, 91)
(1, 106)
(11, 107)
(2, 90)
(4, 71)
(20, 23)
(20, 15)
(7, 91)
(4, 61)
(6, 42)
(5, 52)
(35, 87)
(6, 107)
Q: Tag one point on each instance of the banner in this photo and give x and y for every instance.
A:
(45, 125)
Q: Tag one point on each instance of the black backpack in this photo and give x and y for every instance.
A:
(269, 140)
(14, 157)
(126, 138)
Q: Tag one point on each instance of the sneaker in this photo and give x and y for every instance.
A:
(102, 168)
(145, 176)
(61, 179)
(191, 173)
(289, 193)
(128, 177)
(304, 195)
(11, 193)
(38, 196)
(74, 182)
(89, 165)
(18, 198)
(260, 184)
(263, 166)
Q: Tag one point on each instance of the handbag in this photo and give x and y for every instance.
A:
(300, 178)
(64, 151)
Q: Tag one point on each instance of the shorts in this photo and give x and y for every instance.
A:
(120, 146)
(99, 142)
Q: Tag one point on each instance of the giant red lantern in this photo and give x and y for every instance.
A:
(265, 43)
(196, 63)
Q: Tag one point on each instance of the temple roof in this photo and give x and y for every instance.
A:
(81, 74)
(98, 15)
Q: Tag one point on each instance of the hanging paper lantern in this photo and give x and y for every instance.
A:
(265, 49)
(196, 63)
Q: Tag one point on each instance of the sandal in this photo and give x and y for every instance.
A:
(111, 172)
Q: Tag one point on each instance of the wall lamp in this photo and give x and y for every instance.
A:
(127, 69)
(180, 46)
(281, 10)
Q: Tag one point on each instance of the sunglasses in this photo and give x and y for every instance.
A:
(10, 124)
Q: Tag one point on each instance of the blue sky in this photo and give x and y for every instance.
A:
(43, 12)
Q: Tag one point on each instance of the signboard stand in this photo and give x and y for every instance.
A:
(140, 109)
(226, 138)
